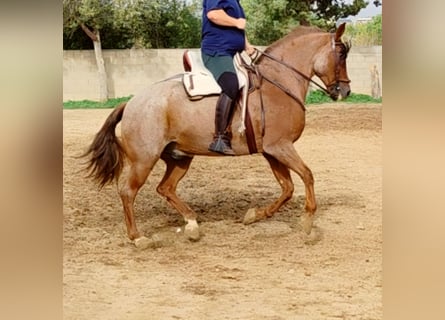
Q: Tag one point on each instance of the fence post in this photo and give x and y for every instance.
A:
(375, 83)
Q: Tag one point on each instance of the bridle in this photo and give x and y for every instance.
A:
(335, 83)
(337, 80)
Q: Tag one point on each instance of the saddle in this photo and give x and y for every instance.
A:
(199, 82)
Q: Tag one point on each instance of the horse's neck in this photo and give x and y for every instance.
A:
(300, 53)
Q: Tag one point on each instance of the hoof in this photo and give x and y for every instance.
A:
(250, 216)
(306, 222)
(314, 237)
(191, 230)
(143, 243)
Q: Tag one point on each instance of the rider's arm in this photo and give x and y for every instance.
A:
(220, 17)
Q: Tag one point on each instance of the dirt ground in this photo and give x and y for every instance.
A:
(267, 270)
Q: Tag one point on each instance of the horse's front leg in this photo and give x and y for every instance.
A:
(282, 174)
(290, 158)
(280, 158)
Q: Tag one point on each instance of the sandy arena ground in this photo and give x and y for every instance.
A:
(267, 270)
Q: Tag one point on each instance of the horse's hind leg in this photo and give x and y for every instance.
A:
(136, 177)
(175, 171)
(282, 174)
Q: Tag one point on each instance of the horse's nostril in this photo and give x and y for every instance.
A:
(348, 92)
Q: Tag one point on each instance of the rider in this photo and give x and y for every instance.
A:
(223, 35)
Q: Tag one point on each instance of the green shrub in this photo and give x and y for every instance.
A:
(88, 104)
(319, 97)
(365, 34)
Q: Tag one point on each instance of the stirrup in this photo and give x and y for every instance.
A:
(220, 146)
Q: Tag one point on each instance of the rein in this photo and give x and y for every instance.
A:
(293, 69)
(335, 83)
(254, 68)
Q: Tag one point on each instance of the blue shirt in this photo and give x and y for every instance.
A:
(219, 40)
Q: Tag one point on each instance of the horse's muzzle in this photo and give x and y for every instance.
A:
(339, 91)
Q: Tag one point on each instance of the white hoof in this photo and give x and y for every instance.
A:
(143, 243)
(191, 230)
(250, 216)
(306, 222)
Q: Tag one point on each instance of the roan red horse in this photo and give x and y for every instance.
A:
(162, 123)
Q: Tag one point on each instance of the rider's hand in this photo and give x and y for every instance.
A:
(241, 23)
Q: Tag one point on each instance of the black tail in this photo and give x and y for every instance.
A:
(105, 154)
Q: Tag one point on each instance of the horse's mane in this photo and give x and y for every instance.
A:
(295, 33)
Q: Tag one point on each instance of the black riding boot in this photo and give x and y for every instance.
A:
(222, 137)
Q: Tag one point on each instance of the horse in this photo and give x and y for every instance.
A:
(161, 122)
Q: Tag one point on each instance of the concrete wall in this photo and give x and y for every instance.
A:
(129, 71)
(360, 62)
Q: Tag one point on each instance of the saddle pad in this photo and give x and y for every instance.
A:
(199, 81)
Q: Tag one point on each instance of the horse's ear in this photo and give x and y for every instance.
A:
(340, 31)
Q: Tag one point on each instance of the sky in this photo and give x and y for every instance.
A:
(370, 11)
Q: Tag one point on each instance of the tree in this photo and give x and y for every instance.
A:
(182, 24)
(267, 20)
(325, 13)
(90, 16)
(367, 33)
(165, 23)
(271, 19)
(143, 24)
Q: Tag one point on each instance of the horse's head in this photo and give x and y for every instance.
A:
(330, 65)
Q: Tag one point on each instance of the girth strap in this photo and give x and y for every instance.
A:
(250, 134)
